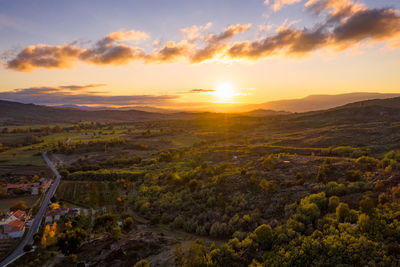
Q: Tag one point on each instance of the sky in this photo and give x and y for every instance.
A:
(187, 54)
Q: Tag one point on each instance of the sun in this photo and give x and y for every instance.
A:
(225, 92)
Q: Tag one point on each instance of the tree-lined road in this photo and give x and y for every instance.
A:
(19, 251)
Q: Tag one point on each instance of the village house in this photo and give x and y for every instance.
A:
(56, 214)
(45, 183)
(13, 225)
(32, 187)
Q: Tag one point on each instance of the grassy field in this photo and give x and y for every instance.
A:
(93, 194)
(30, 154)
(5, 204)
(22, 156)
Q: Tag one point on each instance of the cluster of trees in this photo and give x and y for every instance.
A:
(49, 235)
(104, 175)
(119, 162)
(107, 223)
(68, 148)
(321, 232)
(206, 200)
(344, 151)
(44, 130)
(92, 194)
(20, 205)
(390, 161)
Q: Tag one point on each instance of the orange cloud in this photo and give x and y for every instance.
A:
(193, 33)
(169, 52)
(216, 43)
(337, 8)
(44, 56)
(374, 25)
(278, 4)
(346, 25)
(128, 35)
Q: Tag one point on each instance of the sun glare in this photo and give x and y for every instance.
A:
(225, 92)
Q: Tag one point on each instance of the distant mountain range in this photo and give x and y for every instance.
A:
(18, 113)
(13, 113)
(308, 103)
(316, 102)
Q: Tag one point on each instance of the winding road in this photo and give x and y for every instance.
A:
(19, 251)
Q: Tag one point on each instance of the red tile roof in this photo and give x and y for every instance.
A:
(19, 214)
(22, 186)
(17, 229)
(16, 223)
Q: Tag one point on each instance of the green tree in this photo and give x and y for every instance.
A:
(264, 236)
(193, 184)
(20, 205)
(270, 187)
(127, 224)
(116, 232)
(179, 256)
(142, 263)
(28, 247)
(379, 186)
(342, 211)
(71, 240)
(197, 254)
(106, 221)
(364, 222)
(333, 203)
(367, 206)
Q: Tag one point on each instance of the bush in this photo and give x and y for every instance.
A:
(20, 205)
(367, 161)
(127, 224)
(105, 175)
(333, 203)
(264, 236)
(367, 206)
(28, 247)
(270, 187)
(335, 189)
(353, 175)
(193, 184)
(342, 211)
(142, 263)
(364, 222)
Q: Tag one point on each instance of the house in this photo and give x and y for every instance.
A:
(13, 225)
(52, 216)
(57, 214)
(21, 215)
(32, 187)
(15, 229)
(45, 183)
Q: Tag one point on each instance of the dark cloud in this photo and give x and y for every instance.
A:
(354, 26)
(57, 96)
(337, 9)
(169, 52)
(81, 87)
(217, 43)
(375, 24)
(201, 91)
(45, 56)
(109, 51)
(345, 24)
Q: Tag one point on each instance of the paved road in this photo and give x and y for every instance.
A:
(19, 251)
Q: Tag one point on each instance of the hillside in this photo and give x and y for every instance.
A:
(317, 102)
(369, 111)
(17, 113)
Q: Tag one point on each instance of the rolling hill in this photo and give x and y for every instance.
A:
(317, 102)
(17, 113)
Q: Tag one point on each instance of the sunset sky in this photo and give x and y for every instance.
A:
(195, 53)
